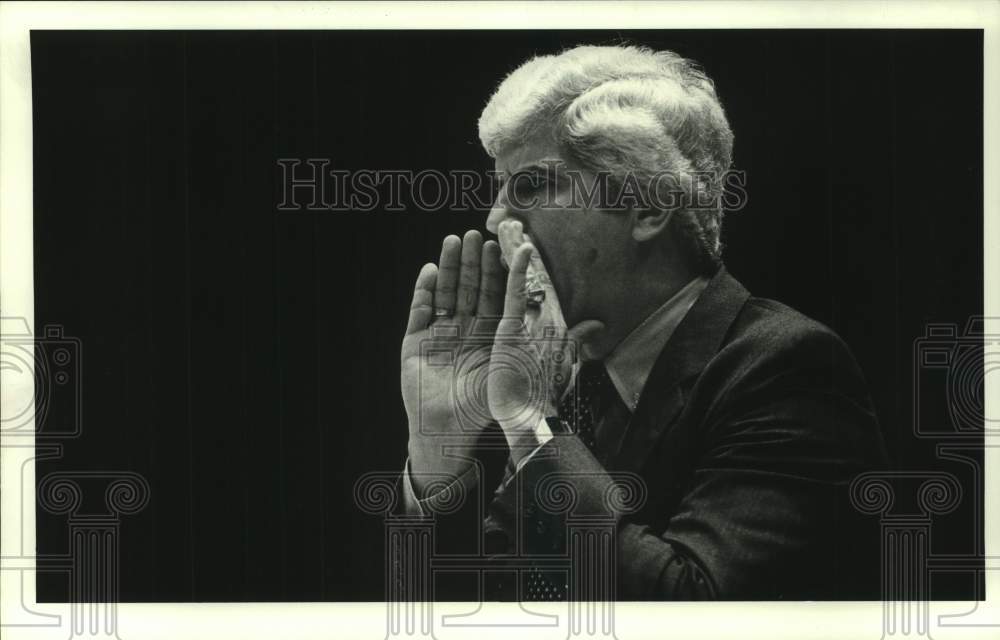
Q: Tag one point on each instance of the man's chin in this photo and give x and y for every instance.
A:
(591, 341)
(594, 348)
(589, 353)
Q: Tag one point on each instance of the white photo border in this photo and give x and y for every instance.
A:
(303, 621)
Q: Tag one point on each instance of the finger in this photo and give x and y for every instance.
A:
(505, 234)
(536, 262)
(468, 278)
(514, 302)
(491, 283)
(447, 276)
(541, 297)
(421, 309)
(517, 232)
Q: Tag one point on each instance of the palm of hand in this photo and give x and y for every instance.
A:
(474, 352)
(443, 375)
(446, 348)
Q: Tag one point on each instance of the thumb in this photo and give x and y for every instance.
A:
(584, 332)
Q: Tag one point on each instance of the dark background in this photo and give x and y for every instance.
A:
(245, 361)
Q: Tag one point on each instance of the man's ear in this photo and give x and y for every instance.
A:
(650, 223)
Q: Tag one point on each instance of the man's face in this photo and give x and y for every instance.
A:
(587, 251)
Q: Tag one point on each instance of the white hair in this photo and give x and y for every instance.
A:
(626, 110)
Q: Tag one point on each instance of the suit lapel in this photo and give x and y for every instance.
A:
(694, 342)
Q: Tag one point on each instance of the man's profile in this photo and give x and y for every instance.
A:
(601, 334)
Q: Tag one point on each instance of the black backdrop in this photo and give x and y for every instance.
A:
(245, 361)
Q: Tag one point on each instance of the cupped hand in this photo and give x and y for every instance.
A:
(445, 355)
(533, 352)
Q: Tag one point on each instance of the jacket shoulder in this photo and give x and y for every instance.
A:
(767, 333)
(786, 379)
(775, 325)
(773, 349)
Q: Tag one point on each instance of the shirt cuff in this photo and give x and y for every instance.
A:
(542, 435)
(414, 506)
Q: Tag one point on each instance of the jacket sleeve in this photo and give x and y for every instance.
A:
(457, 503)
(763, 512)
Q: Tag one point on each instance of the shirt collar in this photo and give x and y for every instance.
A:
(632, 360)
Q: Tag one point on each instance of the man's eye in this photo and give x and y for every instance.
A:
(524, 187)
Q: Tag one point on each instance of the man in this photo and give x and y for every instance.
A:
(615, 347)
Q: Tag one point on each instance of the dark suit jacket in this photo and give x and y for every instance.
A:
(749, 430)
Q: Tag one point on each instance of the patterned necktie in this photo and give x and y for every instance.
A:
(581, 406)
(579, 409)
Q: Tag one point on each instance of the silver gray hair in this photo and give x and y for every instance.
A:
(626, 111)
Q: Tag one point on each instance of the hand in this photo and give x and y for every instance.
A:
(533, 353)
(547, 316)
(444, 360)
